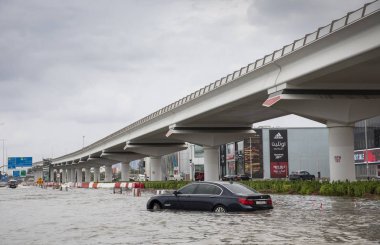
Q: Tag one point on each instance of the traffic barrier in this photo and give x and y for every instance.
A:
(160, 192)
(96, 185)
(136, 192)
(118, 190)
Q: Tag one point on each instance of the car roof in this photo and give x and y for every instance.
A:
(216, 182)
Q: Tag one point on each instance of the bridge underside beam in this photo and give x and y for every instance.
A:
(209, 136)
(340, 106)
(154, 149)
(122, 156)
(339, 109)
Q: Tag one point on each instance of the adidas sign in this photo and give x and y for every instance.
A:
(278, 136)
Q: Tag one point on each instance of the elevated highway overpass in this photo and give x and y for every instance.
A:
(330, 75)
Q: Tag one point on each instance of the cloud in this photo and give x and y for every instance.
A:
(88, 68)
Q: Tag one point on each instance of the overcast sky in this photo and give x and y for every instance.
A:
(78, 68)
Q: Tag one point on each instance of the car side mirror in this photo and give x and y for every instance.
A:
(176, 193)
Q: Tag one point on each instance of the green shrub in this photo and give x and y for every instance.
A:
(338, 188)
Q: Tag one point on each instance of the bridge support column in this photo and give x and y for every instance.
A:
(52, 175)
(72, 174)
(211, 158)
(341, 151)
(155, 168)
(96, 174)
(63, 180)
(125, 171)
(108, 173)
(79, 174)
(87, 175)
(60, 175)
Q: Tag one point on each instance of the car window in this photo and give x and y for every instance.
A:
(208, 189)
(189, 189)
(240, 189)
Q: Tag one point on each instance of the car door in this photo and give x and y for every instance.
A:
(204, 198)
(184, 196)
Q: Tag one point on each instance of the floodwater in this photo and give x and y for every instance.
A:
(31, 215)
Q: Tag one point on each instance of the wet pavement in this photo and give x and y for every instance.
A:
(31, 215)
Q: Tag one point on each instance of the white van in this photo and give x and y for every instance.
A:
(177, 177)
(142, 177)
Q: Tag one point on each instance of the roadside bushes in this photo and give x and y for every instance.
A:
(172, 185)
(325, 188)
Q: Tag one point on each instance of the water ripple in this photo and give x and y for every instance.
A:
(81, 216)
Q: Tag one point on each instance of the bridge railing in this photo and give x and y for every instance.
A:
(335, 25)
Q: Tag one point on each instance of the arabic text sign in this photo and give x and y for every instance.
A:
(278, 153)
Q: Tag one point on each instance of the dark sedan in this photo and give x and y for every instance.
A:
(212, 196)
(12, 184)
(230, 177)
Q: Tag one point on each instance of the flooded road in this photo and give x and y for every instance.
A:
(31, 215)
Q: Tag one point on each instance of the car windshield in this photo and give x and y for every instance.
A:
(239, 189)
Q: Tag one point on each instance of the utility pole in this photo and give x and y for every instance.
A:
(3, 153)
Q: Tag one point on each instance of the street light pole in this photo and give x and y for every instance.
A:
(3, 153)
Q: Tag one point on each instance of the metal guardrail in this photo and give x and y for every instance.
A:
(335, 25)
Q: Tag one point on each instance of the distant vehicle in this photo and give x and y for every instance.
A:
(177, 177)
(199, 176)
(215, 196)
(142, 177)
(230, 177)
(243, 177)
(235, 177)
(12, 184)
(301, 175)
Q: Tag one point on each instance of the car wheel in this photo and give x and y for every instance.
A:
(220, 209)
(156, 206)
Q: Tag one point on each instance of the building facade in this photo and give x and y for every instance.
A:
(367, 148)
(269, 153)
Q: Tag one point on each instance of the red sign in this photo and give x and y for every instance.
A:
(231, 151)
(279, 169)
(271, 101)
(373, 156)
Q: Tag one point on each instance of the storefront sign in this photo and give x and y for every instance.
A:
(278, 169)
(278, 153)
(373, 156)
(231, 151)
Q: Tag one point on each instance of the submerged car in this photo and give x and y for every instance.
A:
(12, 184)
(215, 196)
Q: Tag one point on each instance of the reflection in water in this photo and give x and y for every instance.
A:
(30, 215)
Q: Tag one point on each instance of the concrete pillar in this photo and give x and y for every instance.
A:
(341, 152)
(96, 174)
(155, 169)
(125, 171)
(66, 175)
(63, 180)
(79, 174)
(211, 158)
(108, 173)
(52, 175)
(72, 174)
(87, 175)
(60, 175)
